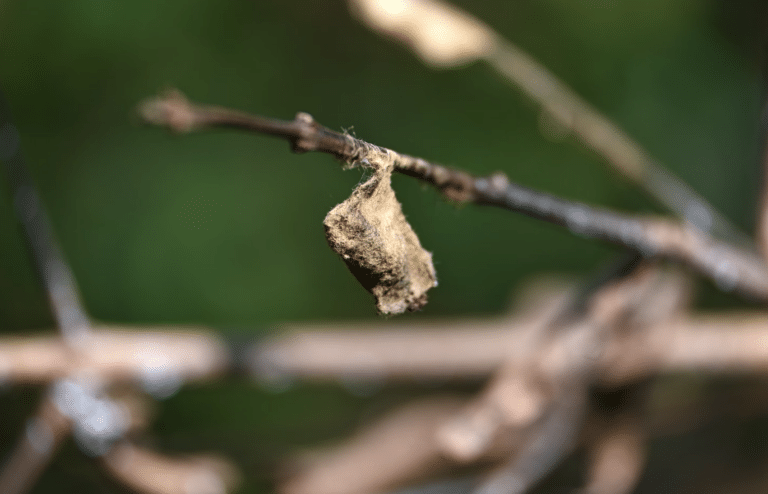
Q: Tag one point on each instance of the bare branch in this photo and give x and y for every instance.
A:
(397, 449)
(72, 321)
(72, 403)
(524, 390)
(553, 439)
(148, 472)
(729, 266)
(762, 211)
(616, 458)
(43, 435)
(439, 33)
(57, 277)
(437, 349)
(711, 343)
(574, 115)
(148, 357)
(443, 35)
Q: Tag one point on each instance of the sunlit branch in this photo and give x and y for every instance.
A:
(150, 358)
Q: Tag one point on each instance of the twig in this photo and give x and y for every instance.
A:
(729, 266)
(710, 343)
(453, 349)
(43, 435)
(616, 458)
(706, 342)
(552, 440)
(140, 355)
(443, 35)
(762, 211)
(73, 403)
(716, 343)
(525, 388)
(27, 461)
(439, 349)
(148, 472)
(55, 273)
(397, 449)
(597, 132)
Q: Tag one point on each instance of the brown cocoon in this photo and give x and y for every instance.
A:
(372, 236)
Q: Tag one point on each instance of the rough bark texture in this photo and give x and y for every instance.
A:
(372, 236)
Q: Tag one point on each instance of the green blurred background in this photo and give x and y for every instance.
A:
(225, 229)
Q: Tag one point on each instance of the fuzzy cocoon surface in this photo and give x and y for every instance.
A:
(372, 236)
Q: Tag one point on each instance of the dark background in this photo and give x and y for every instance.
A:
(225, 229)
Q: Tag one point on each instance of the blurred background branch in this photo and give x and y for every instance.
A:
(76, 399)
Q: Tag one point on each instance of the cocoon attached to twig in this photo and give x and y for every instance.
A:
(372, 236)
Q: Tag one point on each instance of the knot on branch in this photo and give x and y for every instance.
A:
(455, 185)
(495, 186)
(172, 110)
(307, 138)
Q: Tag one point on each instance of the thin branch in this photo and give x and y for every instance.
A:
(551, 442)
(56, 275)
(76, 404)
(704, 343)
(707, 342)
(731, 343)
(443, 35)
(762, 212)
(148, 472)
(140, 355)
(42, 436)
(525, 388)
(616, 457)
(388, 453)
(470, 349)
(28, 460)
(574, 115)
(455, 349)
(729, 266)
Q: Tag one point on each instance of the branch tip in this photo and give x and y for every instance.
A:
(171, 109)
